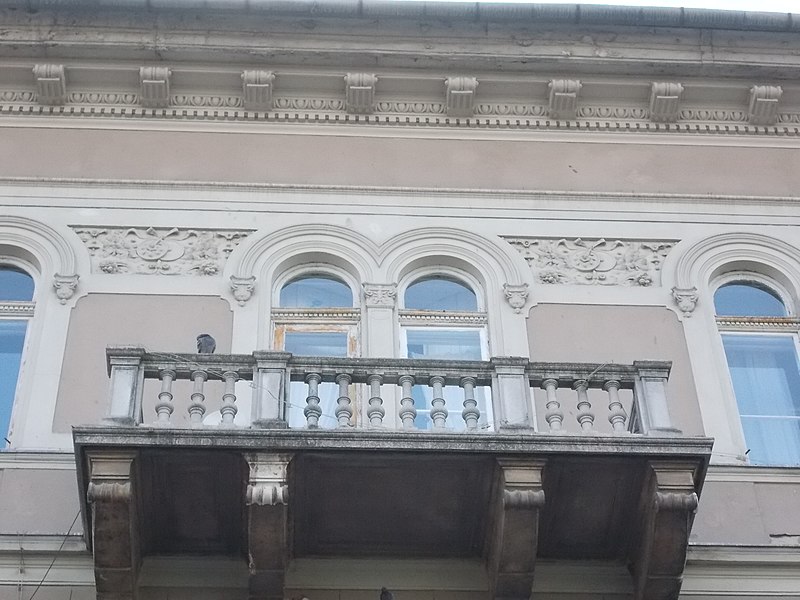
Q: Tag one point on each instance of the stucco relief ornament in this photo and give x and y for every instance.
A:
(159, 250)
(65, 286)
(686, 299)
(594, 262)
(516, 296)
(242, 288)
(379, 294)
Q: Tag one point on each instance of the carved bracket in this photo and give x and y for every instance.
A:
(51, 84)
(594, 262)
(154, 86)
(764, 101)
(686, 299)
(65, 286)
(666, 513)
(514, 535)
(257, 89)
(665, 101)
(460, 96)
(563, 102)
(360, 92)
(159, 251)
(516, 295)
(380, 294)
(243, 288)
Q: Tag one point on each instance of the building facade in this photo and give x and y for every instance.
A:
(504, 301)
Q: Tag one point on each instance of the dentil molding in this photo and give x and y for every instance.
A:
(159, 251)
(594, 262)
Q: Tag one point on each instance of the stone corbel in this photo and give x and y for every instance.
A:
(563, 102)
(665, 101)
(154, 86)
(257, 87)
(516, 296)
(764, 101)
(460, 96)
(360, 92)
(686, 299)
(380, 294)
(267, 499)
(667, 508)
(114, 523)
(51, 84)
(242, 288)
(65, 286)
(514, 534)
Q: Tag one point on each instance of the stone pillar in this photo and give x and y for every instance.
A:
(379, 321)
(114, 523)
(666, 513)
(127, 381)
(511, 393)
(514, 533)
(270, 396)
(651, 398)
(267, 500)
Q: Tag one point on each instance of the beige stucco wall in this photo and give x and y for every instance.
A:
(38, 501)
(620, 334)
(159, 323)
(618, 163)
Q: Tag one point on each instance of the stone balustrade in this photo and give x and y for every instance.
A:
(473, 396)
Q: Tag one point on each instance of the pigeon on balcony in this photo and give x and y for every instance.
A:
(206, 344)
(386, 594)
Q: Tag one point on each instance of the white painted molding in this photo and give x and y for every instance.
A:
(46, 247)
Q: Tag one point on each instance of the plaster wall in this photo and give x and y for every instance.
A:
(354, 156)
(163, 323)
(38, 501)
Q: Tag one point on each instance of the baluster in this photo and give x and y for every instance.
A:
(470, 414)
(438, 410)
(375, 412)
(312, 411)
(616, 413)
(407, 411)
(343, 411)
(554, 416)
(585, 415)
(229, 409)
(197, 408)
(164, 405)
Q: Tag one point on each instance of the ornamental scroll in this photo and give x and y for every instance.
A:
(159, 251)
(594, 262)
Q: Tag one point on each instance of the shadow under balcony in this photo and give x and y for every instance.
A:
(505, 494)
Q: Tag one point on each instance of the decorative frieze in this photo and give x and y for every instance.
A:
(154, 86)
(51, 84)
(360, 92)
(460, 97)
(516, 295)
(162, 251)
(764, 100)
(594, 262)
(380, 294)
(257, 87)
(665, 100)
(563, 102)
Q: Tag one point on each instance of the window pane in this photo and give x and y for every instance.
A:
(747, 300)
(12, 338)
(316, 343)
(15, 285)
(316, 292)
(444, 343)
(440, 294)
(766, 380)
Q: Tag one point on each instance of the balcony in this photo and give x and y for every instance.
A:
(486, 479)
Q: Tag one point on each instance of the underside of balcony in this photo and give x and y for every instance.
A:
(271, 496)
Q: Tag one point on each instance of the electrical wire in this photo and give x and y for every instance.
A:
(60, 548)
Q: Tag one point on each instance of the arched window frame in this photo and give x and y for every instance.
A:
(289, 320)
(18, 310)
(787, 326)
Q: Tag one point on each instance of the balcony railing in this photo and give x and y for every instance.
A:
(388, 383)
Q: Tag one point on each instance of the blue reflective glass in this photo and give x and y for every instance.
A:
(766, 381)
(12, 339)
(316, 343)
(15, 285)
(440, 294)
(316, 292)
(747, 300)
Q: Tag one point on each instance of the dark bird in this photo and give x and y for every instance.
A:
(206, 344)
(386, 594)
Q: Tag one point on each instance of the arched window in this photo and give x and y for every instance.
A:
(759, 335)
(16, 295)
(441, 319)
(315, 316)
